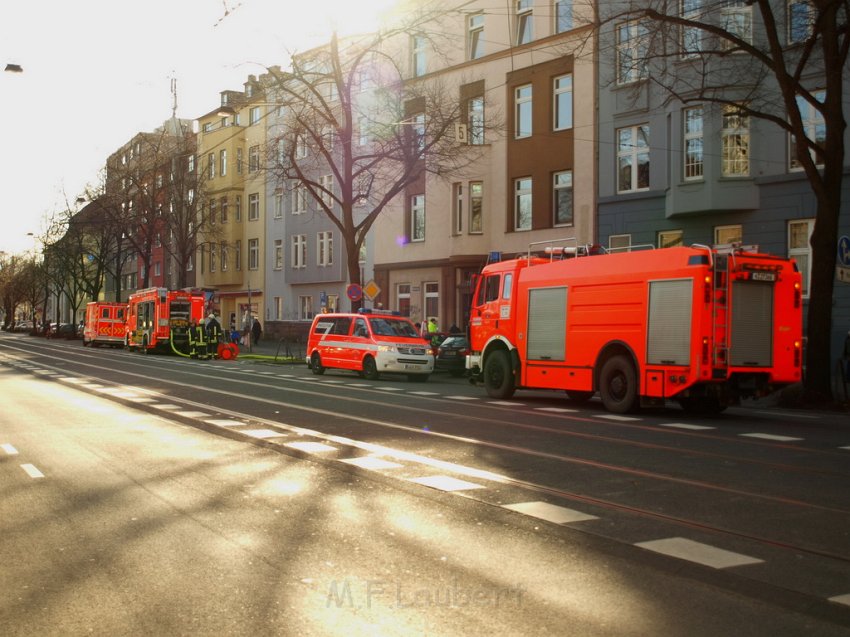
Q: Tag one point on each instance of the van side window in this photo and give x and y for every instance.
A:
(341, 326)
(360, 329)
(104, 312)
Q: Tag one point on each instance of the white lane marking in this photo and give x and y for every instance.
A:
(446, 483)
(698, 552)
(224, 423)
(373, 463)
(310, 447)
(263, 433)
(848, 448)
(619, 418)
(32, 471)
(191, 414)
(550, 512)
(390, 388)
(508, 403)
(461, 397)
(358, 384)
(424, 393)
(9, 449)
(167, 406)
(682, 425)
(556, 410)
(772, 437)
(841, 599)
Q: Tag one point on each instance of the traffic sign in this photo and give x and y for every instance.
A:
(371, 290)
(844, 251)
(354, 292)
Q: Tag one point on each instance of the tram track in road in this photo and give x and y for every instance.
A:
(614, 515)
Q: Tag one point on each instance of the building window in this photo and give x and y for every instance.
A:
(432, 301)
(562, 198)
(735, 148)
(737, 20)
(253, 206)
(238, 208)
(475, 118)
(211, 166)
(815, 128)
(222, 163)
(693, 142)
(620, 242)
(800, 249)
(326, 185)
(254, 115)
(239, 161)
(670, 238)
(278, 308)
(691, 37)
(724, 235)
(298, 199)
(417, 48)
(457, 209)
(522, 111)
(524, 24)
(213, 252)
(563, 102)
(253, 254)
(325, 248)
(633, 158)
(801, 16)
(278, 254)
(278, 205)
(305, 308)
(298, 258)
(157, 268)
(418, 132)
(191, 164)
(403, 299)
(563, 15)
(417, 218)
(237, 254)
(522, 203)
(300, 147)
(212, 212)
(224, 209)
(632, 49)
(364, 129)
(225, 256)
(475, 36)
(476, 207)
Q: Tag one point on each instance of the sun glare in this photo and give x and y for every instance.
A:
(347, 17)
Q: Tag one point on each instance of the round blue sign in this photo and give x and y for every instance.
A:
(354, 292)
(844, 251)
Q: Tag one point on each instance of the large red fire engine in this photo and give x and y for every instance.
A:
(159, 319)
(104, 324)
(703, 326)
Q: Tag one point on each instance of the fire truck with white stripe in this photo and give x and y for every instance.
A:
(158, 318)
(703, 326)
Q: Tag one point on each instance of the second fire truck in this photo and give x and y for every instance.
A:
(702, 326)
(158, 318)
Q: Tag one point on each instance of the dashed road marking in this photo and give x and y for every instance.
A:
(32, 471)
(549, 512)
(698, 552)
(682, 425)
(263, 433)
(446, 483)
(508, 403)
(841, 599)
(461, 397)
(556, 410)
(9, 449)
(373, 463)
(619, 418)
(224, 423)
(191, 414)
(772, 437)
(311, 447)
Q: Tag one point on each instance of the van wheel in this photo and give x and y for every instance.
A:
(618, 385)
(370, 370)
(316, 364)
(498, 376)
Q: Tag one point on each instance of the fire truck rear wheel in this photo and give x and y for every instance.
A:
(498, 376)
(370, 369)
(316, 364)
(618, 385)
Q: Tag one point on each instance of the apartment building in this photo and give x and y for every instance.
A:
(689, 170)
(525, 85)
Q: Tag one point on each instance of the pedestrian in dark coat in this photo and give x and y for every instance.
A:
(256, 331)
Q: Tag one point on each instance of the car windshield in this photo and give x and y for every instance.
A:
(454, 341)
(393, 327)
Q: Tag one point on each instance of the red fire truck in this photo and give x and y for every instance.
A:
(104, 324)
(159, 319)
(699, 325)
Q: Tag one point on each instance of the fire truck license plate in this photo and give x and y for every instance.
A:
(763, 276)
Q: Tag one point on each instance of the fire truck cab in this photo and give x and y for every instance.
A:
(699, 325)
(104, 324)
(157, 316)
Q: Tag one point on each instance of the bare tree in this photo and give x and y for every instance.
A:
(11, 290)
(766, 59)
(351, 114)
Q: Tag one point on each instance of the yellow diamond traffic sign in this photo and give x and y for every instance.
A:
(371, 290)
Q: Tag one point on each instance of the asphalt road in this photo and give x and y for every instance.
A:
(156, 495)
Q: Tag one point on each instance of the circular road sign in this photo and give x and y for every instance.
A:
(354, 292)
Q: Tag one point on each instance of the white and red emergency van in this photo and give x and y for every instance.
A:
(370, 343)
(104, 324)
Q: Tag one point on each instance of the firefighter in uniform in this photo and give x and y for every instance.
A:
(197, 341)
(213, 335)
